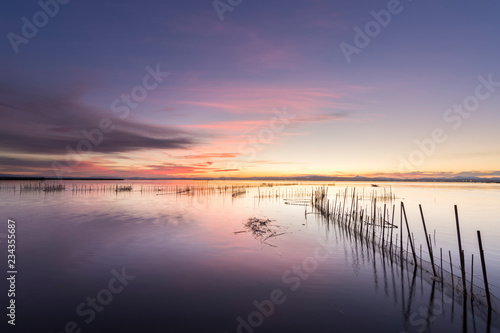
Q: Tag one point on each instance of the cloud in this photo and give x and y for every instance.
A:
(9, 163)
(43, 167)
(479, 174)
(211, 155)
(172, 169)
(240, 98)
(437, 174)
(38, 124)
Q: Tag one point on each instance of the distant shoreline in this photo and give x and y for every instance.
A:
(302, 179)
(48, 178)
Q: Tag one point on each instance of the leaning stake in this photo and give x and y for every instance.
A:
(428, 241)
(409, 234)
(461, 253)
(483, 264)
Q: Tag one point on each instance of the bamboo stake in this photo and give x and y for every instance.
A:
(483, 264)
(401, 230)
(409, 233)
(374, 216)
(428, 241)
(383, 228)
(471, 278)
(461, 252)
(352, 207)
(392, 227)
(343, 205)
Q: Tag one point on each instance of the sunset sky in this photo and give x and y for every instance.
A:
(270, 90)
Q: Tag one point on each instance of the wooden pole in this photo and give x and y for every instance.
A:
(441, 256)
(464, 277)
(352, 207)
(472, 277)
(401, 230)
(461, 253)
(355, 213)
(483, 264)
(409, 234)
(383, 229)
(374, 216)
(428, 241)
(343, 205)
(392, 225)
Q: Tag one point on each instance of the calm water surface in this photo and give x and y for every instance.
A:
(158, 262)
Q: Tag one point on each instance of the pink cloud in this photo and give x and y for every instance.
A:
(211, 155)
(245, 98)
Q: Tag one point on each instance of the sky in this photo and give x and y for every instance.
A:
(249, 88)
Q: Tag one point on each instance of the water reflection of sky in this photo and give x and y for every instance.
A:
(194, 274)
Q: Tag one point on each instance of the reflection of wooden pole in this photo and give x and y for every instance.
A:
(428, 241)
(471, 277)
(441, 256)
(374, 216)
(335, 207)
(461, 252)
(452, 278)
(421, 255)
(483, 264)
(361, 221)
(464, 279)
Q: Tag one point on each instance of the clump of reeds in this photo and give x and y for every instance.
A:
(123, 188)
(31, 187)
(54, 188)
(42, 187)
(187, 189)
(261, 229)
(6, 187)
(239, 192)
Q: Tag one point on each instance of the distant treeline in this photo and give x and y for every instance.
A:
(48, 178)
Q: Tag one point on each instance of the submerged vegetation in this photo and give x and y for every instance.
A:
(261, 229)
(42, 187)
(123, 188)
